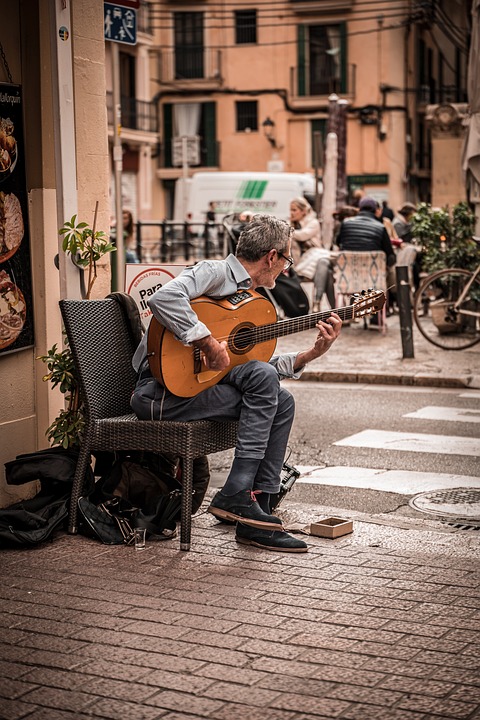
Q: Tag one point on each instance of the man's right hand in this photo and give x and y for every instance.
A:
(215, 355)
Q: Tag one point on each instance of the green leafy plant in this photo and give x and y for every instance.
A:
(86, 246)
(446, 238)
(67, 428)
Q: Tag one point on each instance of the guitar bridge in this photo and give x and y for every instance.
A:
(197, 361)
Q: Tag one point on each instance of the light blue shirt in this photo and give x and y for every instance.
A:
(170, 305)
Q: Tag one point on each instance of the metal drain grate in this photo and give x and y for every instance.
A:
(462, 503)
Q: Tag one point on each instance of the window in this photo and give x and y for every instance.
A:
(209, 148)
(189, 49)
(247, 115)
(321, 59)
(245, 26)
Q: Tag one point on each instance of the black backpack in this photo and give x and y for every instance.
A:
(30, 522)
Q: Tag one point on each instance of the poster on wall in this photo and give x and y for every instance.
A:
(142, 280)
(16, 298)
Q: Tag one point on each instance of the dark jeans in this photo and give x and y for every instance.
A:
(250, 393)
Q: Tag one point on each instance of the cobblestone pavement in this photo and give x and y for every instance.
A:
(380, 624)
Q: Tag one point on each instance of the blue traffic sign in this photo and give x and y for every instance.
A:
(120, 24)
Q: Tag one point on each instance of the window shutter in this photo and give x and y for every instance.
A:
(301, 60)
(210, 130)
(343, 57)
(167, 134)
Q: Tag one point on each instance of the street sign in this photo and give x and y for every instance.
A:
(120, 23)
(186, 149)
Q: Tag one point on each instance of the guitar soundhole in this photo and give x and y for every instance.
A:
(242, 339)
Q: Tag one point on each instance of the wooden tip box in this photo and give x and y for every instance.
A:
(331, 527)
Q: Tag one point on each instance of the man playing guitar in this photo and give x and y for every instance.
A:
(231, 385)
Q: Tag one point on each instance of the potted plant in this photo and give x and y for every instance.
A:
(86, 246)
(446, 238)
(446, 242)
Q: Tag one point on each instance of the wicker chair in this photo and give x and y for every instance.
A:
(102, 347)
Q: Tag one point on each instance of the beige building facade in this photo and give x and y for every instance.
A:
(54, 52)
(247, 71)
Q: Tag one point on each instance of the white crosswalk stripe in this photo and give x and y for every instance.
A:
(413, 442)
(434, 412)
(399, 481)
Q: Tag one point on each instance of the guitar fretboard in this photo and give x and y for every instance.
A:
(281, 328)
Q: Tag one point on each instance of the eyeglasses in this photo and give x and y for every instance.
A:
(288, 260)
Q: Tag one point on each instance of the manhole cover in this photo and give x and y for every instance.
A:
(459, 502)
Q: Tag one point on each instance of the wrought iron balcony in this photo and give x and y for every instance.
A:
(135, 114)
(190, 65)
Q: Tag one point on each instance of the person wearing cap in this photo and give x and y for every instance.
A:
(364, 233)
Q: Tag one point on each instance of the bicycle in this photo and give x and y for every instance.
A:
(446, 308)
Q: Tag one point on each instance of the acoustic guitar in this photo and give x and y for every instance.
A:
(249, 324)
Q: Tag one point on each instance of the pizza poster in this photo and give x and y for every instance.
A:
(16, 310)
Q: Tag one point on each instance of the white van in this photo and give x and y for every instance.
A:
(260, 192)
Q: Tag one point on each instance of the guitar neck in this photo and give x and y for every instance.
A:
(263, 333)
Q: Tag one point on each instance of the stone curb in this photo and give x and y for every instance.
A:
(419, 380)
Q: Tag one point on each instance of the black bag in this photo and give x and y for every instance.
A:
(30, 522)
(138, 490)
(289, 294)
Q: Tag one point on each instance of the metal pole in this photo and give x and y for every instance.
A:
(317, 155)
(405, 310)
(118, 166)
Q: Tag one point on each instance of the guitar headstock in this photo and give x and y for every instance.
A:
(367, 302)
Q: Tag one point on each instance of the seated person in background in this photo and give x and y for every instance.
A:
(312, 260)
(408, 254)
(243, 218)
(250, 392)
(364, 233)
(339, 216)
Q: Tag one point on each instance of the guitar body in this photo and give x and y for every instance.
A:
(182, 370)
(248, 322)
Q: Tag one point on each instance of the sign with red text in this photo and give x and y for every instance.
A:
(143, 280)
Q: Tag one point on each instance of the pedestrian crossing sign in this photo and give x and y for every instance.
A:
(120, 24)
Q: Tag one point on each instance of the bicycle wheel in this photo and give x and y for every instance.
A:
(438, 318)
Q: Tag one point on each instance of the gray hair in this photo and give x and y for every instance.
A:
(262, 234)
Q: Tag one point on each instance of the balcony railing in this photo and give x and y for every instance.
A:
(433, 94)
(307, 81)
(190, 64)
(135, 114)
(170, 242)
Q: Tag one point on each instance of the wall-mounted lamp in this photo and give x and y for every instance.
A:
(269, 131)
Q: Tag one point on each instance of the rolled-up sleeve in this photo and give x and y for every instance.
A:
(284, 365)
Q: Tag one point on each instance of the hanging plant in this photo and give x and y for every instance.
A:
(86, 246)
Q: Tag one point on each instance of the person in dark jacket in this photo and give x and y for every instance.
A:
(364, 233)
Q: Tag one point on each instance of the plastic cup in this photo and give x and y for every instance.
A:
(140, 538)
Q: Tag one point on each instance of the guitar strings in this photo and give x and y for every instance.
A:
(271, 331)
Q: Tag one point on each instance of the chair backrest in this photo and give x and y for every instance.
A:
(102, 348)
(357, 271)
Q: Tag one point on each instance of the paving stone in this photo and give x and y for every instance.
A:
(223, 633)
